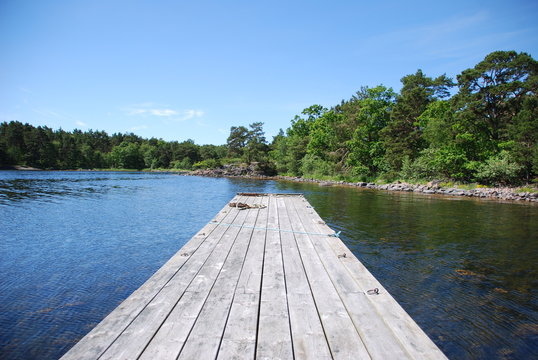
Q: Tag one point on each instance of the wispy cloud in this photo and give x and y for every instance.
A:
(152, 109)
(433, 39)
(163, 112)
(81, 124)
(429, 34)
(191, 114)
(155, 112)
(49, 113)
(139, 127)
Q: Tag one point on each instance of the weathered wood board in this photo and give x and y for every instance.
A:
(266, 279)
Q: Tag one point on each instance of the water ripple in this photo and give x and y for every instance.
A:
(74, 245)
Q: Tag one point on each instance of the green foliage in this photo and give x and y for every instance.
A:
(127, 155)
(4, 160)
(500, 169)
(212, 151)
(184, 164)
(266, 167)
(41, 147)
(488, 131)
(315, 167)
(366, 150)
(403, 134)
(436, 124)
(493, 91)
(256, 146)
(237, 140)
(523, 131)
(249, 144)
(207, 164)
(437, 163)
(323, 136)
(535, 159)
(418, 134)
(227, 160)
(287, 154)
(301, 127)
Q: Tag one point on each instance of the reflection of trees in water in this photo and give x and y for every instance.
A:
(467, 266)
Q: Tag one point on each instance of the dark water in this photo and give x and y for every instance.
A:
(74, 245)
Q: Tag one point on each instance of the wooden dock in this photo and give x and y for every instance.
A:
(265, 281)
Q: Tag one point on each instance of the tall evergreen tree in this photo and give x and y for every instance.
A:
(491, 93)
(403, 135)
(256, 144)
(237, 141)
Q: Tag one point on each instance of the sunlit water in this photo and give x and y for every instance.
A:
(73, 245)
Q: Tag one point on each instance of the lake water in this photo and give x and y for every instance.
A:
(73, 245)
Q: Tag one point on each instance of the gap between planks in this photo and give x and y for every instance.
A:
(247, 291)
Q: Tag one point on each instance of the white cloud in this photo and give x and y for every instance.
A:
(139, 127)
(155, 112)
(149, 108)
(152, 109)
(162, 112)
(190, 114)
(81, 124)
(136, 111)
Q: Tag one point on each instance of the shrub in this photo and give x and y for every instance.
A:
(207, 164)
(500, 169)
(184, 164)
(434, 163)
(266, 167)
(312, 165)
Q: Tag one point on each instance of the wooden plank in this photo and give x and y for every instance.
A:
(269, 194)
(109, 329)
(131, 343)
(342, 336)
(378, 338)
(266, 282)
(239, 338)
(274, 337)
(173, 331)
(309, 341)
(204, 340)
(411, 336)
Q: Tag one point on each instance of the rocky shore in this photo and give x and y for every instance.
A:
(232, 171)
(503, 193)
(500, 193)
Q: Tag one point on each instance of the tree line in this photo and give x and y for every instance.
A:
(482, 127)
(44, 148)
(486, 132)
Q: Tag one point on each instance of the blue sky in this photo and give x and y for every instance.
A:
(192, 69)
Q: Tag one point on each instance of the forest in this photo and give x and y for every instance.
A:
(481, 127)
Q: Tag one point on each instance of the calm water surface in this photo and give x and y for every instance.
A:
(73, 245)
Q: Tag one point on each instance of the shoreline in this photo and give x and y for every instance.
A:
(493, 193)
(432, 188)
